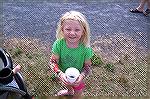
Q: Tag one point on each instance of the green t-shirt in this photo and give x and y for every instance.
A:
(71, 57)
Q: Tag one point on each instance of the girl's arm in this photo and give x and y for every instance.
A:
(87, 68)
(53, 63)
(86, 71)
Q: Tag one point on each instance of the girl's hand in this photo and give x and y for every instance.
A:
(63, 78)
(79, 79)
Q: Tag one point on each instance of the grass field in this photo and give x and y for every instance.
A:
(119, 66)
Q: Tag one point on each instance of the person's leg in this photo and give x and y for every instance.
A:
(141, 5)
(148, 4)
(140, 8)
(68, 91)
(78, 90)
(148, 8)
(78, 94)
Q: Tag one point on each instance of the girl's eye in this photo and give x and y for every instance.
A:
(77, 30)
(68, 29)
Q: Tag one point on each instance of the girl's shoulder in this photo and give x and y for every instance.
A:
(88, 51)
(86, 48)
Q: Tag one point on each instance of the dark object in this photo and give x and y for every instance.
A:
(12, 85)
(71, 76)
(147, 12)
(135, 11)
(5, 59)
(6, 76)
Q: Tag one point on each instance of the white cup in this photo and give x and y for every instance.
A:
(72, 74)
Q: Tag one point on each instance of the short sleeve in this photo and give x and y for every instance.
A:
(88, 53)
(56, 47)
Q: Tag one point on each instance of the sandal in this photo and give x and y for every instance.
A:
(147, 12)
(64, 93)
(135, 11)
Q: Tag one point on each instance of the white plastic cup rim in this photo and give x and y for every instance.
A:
(72, 74)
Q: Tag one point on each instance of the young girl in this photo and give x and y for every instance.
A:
(72, 49)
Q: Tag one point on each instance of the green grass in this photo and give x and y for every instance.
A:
(109, 67)
(118, 78)
(96, 60)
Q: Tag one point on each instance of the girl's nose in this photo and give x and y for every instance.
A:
(72, 33)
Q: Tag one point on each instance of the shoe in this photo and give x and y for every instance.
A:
(147, 12)
(135, 11)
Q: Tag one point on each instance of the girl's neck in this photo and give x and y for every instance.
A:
(72, 45)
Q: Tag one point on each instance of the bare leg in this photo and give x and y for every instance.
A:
(141, 5)
(140, 8)
(70, 90)
(148, 4)
(148, 8)
(78, 94)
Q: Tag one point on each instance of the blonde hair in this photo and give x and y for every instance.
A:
(74, 15)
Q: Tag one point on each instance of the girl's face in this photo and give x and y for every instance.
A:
(72, 31)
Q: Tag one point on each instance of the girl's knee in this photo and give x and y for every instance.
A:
(78, 94)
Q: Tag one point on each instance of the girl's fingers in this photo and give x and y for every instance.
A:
(79, 79)
(63, 79)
